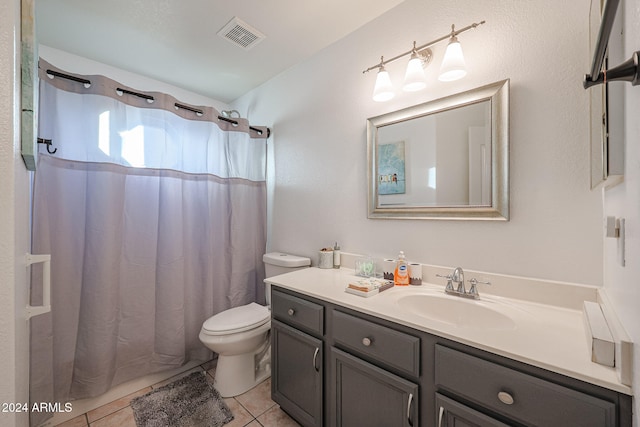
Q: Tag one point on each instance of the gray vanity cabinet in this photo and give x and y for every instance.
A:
(335, 366)
(297, 371)
(366, 395)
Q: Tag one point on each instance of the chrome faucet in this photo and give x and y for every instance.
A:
(458, 277)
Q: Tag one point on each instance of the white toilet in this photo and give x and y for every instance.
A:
(240, 335)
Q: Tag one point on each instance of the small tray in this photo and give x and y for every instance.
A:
(368, 287)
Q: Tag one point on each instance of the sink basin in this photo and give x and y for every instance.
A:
(456, 311)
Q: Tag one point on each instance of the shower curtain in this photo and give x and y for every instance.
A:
(155, 220)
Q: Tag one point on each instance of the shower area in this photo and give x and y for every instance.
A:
(154, 213)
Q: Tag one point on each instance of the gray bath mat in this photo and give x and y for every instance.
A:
(188, 402)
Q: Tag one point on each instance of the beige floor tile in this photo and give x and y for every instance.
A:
(212, 371)
(253, 423)
(276, 417)
(122, 418)
(209, 379)
(68, 416)
(241, 417)
(258, 399)
(114, 406)
(177, 377)
(80, 421)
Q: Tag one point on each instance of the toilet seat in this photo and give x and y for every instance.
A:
(237, 319)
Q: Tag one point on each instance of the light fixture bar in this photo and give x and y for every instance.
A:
(426, 45)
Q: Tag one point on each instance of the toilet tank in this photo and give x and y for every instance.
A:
(279, 263)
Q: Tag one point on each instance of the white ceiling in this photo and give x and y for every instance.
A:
(175, 41)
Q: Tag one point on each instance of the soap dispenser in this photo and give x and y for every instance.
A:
(401, 273)
(336, 256)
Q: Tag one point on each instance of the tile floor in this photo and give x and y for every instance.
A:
(253, 408)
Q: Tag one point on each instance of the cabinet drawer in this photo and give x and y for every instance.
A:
(521, 397)
(297, 312)
(377, 343)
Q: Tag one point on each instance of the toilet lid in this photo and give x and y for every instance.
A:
(237, 319)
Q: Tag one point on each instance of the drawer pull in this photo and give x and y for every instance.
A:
(440, 414)
(366, 341)
(291, 312)
(315, 359)
(505, 398)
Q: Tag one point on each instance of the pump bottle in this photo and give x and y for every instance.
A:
(336, 256)
(401, 273)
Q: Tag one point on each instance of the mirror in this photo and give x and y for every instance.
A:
(444, 159)
(606, 107)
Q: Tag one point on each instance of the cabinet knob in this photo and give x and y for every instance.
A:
(505, 398)
(291, 311)
(366, 341)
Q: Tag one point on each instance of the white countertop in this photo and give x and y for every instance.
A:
(546, 336)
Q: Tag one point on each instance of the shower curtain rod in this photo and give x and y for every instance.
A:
(223, 118)
(150, 99)
(628, 71)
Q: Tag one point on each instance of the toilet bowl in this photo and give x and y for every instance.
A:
(240, 335)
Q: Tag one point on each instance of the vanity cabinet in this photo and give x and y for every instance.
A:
(335, 366)
(297, 352)
(367, 361)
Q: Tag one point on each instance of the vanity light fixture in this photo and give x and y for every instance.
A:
(453, 66)
(383, 90)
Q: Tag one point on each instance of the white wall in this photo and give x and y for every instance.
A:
(622, 284)
(14, 215)
(319, 108)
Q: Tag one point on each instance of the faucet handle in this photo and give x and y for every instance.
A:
(473, 290)
(449, 278)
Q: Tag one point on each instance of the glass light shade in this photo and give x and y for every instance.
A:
(383, 90)
(453, 66)
(414, 78)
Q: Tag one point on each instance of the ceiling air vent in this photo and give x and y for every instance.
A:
(241, 34)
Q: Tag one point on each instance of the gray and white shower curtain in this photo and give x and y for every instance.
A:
(155, 219)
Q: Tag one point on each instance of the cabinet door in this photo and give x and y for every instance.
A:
(296, 375)
(365, 395)
(454, 414)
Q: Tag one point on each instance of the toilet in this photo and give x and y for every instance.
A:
(240, 335)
